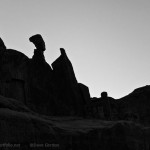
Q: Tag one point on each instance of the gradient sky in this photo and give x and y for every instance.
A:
(107, 41)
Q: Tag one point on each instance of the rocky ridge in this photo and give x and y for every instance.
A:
(44, 107)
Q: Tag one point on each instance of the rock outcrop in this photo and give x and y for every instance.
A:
(46, 90)
(13, 75)
(96, 108)
(67, 85)
(24, 129)
(44, 107)
(135, 106)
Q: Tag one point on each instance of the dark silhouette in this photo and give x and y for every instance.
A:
(70, 97)
(63, 53)
(135, 106)
(41, 80)
(2, 45)
(106, 105)
(2, 49)
(13, 73)
(33, 96)
(38, 41)
(85, 93)
(56, 91)
(43, 89)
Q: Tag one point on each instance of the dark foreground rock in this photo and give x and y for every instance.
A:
(23, 129)
(135, 106)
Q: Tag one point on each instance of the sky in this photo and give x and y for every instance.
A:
(107, 41)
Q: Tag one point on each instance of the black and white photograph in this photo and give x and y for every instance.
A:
(74, 74)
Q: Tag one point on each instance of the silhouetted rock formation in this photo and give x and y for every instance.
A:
(33, 95)
(106, 106)
(86, 100)
(13, 75)
(2, 45)
(42, 97)
(38, 41)
(29, 131)
(135, 106)
(33, 82)
(67, 85)
(99, 108)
